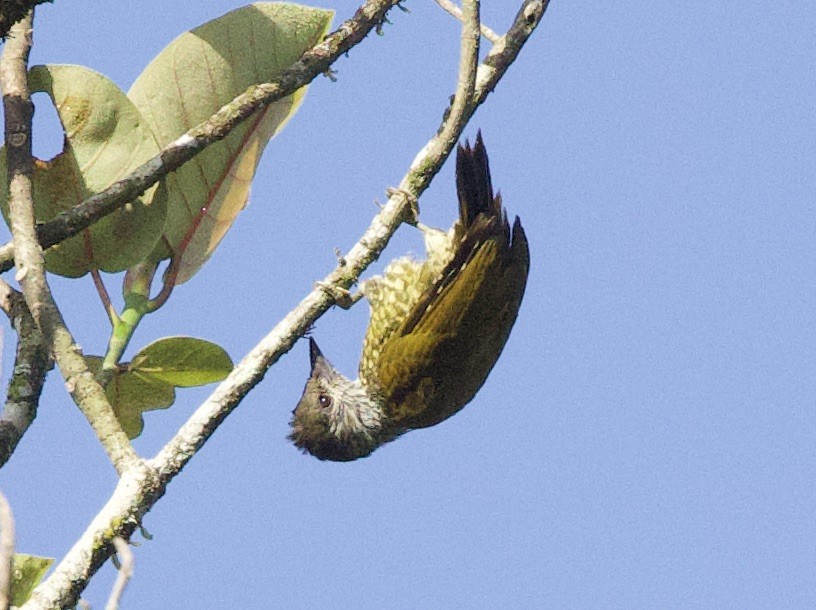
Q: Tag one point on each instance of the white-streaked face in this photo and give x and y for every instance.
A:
(336, 419)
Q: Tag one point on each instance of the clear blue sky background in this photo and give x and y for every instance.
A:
(646, 440)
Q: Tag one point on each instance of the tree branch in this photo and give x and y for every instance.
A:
(86, 392)
(12, 11)
(450, 8)
(136, 491)
(314, 62)
(31, 363)
(461, 106)
(126, 562)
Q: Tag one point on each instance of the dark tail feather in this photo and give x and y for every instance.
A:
(473, 182)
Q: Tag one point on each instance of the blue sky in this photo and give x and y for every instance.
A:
(647, 438)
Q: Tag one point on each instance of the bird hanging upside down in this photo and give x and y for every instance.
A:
(437, 328)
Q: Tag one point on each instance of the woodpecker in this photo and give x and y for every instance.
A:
(437, 328)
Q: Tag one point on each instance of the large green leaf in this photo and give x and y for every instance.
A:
(182, 361)
(197, 74)
(105, 139)
(26, 573)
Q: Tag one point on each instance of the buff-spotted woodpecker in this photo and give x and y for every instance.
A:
(437, 328)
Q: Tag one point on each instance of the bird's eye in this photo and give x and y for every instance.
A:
(325, 401)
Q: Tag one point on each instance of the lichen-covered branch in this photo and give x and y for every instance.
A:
(28, 255)
(314, 62)
(12, 11)
(31, 363)
(136, 492)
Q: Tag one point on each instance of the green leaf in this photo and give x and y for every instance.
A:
(194, 76)
(131, 394)
(147, 382)
(183, 362)
(105, 139)
(26, 573)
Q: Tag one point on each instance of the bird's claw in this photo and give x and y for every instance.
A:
(411, 215)
(341, 296)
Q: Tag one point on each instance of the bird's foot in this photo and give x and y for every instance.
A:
(411, 215)
(341, 296)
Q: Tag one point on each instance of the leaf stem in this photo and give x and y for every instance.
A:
(104, 297)
(136, 306)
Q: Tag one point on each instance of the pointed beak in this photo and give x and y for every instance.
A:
(314, 352)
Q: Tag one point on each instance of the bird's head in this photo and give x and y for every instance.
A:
(336, 419)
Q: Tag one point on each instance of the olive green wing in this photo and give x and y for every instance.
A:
(439, 358)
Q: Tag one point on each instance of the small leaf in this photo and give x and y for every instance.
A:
(183, 362)
(131, 394)
(105, 139)
(147, 383)
(26, 573)
(193, 77)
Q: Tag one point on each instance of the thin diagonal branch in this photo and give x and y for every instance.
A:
(31, 363)
(466, 81)
(450, 8)
(28, 255)
(491, 70)
(314, 62)
(136, 491)
(126, 563)
(460, 110)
